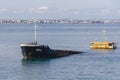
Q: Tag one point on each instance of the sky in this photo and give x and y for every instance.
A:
(60, 9)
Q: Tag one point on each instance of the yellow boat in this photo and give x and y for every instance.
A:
(103, 45)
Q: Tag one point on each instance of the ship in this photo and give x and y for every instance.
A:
(104, 43)
(35, 50)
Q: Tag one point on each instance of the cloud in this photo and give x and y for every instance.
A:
(62, 9)
(76, 12)
(53, 12)
(18, 11)
(2, 10)
(30, 9)
(118, 11)
(43, 8)
(105, 11)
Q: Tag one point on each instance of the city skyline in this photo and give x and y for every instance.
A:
(59, 9)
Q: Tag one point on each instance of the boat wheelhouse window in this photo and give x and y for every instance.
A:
(110, 44)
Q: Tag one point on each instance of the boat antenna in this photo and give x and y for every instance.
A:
(35, 34)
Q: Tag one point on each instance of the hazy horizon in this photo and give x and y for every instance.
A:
(59, 9)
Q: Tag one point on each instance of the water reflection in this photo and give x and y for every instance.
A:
(36, 68)
(35, 60)
(103, 50)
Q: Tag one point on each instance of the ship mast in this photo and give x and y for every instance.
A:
(104, 33)
(35, 34)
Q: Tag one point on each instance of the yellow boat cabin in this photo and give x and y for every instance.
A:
(103, 45)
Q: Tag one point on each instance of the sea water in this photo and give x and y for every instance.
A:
(89, 65)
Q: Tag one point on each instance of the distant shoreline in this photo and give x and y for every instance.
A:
(56, 21)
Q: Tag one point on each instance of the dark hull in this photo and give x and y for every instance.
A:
(44, 52)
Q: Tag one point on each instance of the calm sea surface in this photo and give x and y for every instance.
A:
(90, 65)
